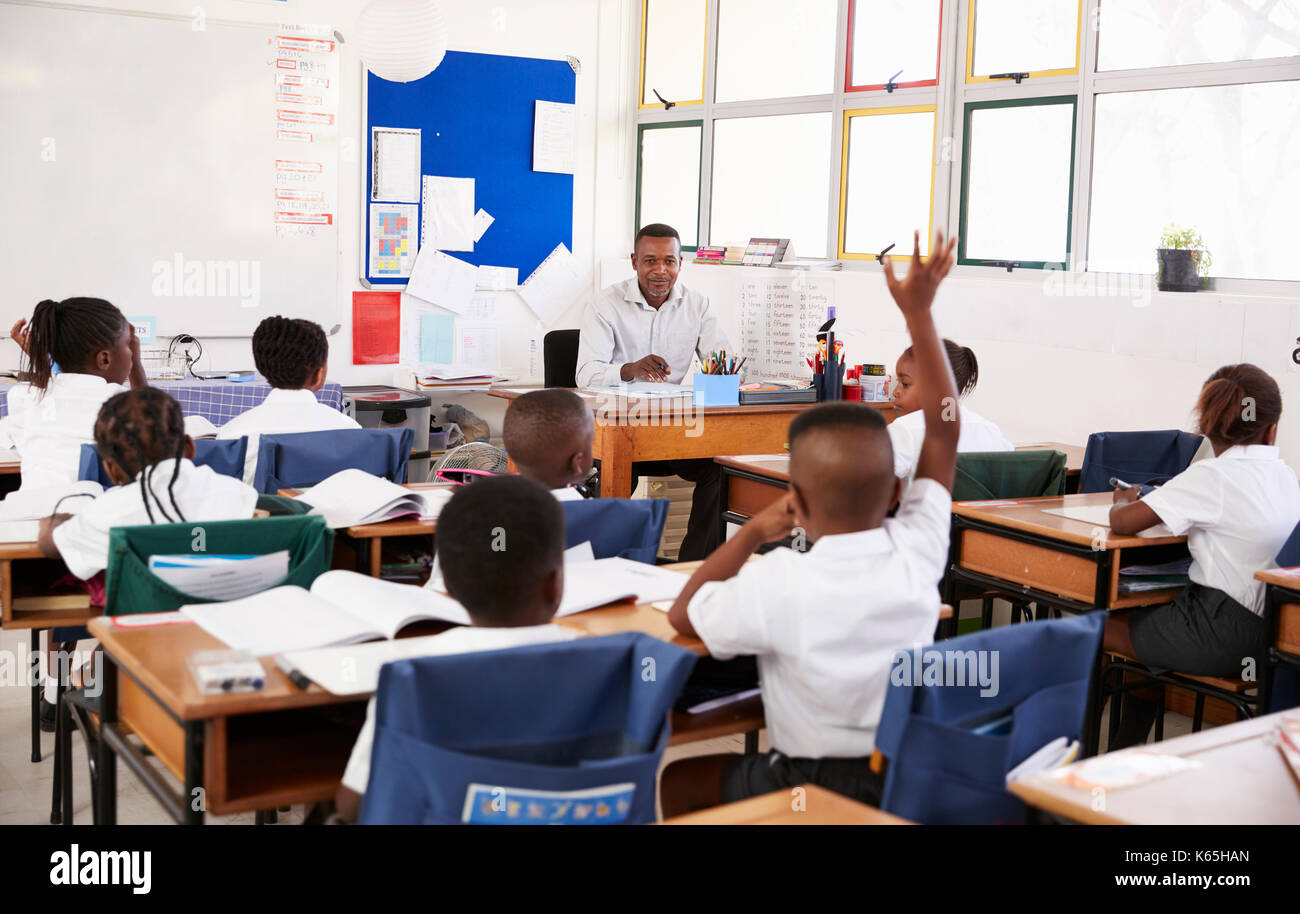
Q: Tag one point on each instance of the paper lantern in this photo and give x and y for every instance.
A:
(401, 40)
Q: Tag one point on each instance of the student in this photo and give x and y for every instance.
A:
(292, 355)
(52, 415)
(510, 594)
(908, 430)
(1237, 508)
(140, 435)
(549, 434)
(825, 624)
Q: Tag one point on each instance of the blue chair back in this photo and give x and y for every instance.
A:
(1285, 691)
(306, 458)
(225, 456)
(569, 732)
(941, 771)
(1142, 458)
(616, 526)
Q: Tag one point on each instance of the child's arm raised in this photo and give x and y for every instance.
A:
(914, 296)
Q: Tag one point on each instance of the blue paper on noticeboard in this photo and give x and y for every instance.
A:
(437, 338)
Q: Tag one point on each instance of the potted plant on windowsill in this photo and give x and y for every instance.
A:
(1183, 260)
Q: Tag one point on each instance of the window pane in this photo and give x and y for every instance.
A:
(1165, 33)
(1025, 36)
(1018, 183)
(1222, 160)
(769, 180)
(674, 50)
(888, 188)
(775, 48)
(893, 35)
(670, 179)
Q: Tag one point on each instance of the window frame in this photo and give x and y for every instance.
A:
(642, 104)
(878, 87)
(640, 134)
(1032, 74)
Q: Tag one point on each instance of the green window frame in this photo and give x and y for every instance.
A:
(640, 148)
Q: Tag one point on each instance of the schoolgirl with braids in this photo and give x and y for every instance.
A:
(1237, 508)
(52, 415)
(141, 438)
(907, 431)
(293, 355)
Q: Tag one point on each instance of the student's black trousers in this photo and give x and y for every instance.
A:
(704, 529)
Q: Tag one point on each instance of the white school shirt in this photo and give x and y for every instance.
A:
(907, 433)
(464, 640)
(283, 412)
(825, 624)
(201, 494)
(1237, 510)
(619, 326)
(48, 431)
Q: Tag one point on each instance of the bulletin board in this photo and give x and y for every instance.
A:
(475, 114)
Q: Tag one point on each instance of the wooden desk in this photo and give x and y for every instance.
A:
(821, 807)
(367, 539)
(1017, 549)
(635, 429)
(1242, 781)
(1282, 619)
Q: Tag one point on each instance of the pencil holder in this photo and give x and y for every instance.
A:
(819, 385)
(717, 390)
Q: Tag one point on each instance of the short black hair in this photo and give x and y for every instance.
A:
(538, 423)
(497, 541)
(656, 230)
(286, 350)
(836, 416)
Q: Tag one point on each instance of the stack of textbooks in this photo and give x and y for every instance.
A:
(714, 253)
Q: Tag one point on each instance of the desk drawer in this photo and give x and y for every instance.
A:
(155, 727)
(1288, 628)
(749, 496)
(1024, 563)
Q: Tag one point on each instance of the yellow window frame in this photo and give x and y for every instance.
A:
(1061, 71)
(704, 62)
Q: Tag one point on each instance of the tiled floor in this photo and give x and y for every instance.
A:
(25, 785)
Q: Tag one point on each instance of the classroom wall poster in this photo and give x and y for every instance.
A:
(305, 64)
(376, 328)
(393, 241)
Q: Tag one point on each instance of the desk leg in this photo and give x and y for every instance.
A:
(194, 773)
(36, 694)
(614, 450)
(376, 556)
(362, 547)
(106, 764)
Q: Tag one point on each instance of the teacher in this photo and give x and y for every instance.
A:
(650, 328)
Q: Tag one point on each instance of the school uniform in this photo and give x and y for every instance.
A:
(48, 430)
(200, 493)
(465, 640)
(825, 626)
(283, 412)
(1237, 509)
(907, 433)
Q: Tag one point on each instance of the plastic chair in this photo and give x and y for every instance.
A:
(570, 732)
(132, 589)
(940, 771)
(225, 456)
(1141, 458)
(560, 358)
(306, 458)
(1280, 684)
(617, 526)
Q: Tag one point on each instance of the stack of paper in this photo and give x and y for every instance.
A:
(221, 577)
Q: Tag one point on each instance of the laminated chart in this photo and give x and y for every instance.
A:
(779, 320)
(306, 59)
(392, 238)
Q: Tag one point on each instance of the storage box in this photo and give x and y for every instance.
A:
(717, 390)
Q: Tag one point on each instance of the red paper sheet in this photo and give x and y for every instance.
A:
(376, 323)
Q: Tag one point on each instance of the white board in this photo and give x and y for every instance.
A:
(130, 140)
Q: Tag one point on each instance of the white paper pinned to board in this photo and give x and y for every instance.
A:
(555, 285)
(395, 170)
(442, 280)
(448, 213)
(555, 137)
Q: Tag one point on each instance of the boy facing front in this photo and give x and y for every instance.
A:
(293, 355)
(825, 624)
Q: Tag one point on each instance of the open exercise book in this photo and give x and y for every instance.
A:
(1099, 516)
(352, 497)
(344, 607)
(21, 511)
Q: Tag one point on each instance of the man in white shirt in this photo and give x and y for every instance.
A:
(510, 594)
(827, 625)
(650, 328)
(292, 354)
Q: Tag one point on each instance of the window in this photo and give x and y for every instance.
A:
(672, 52)
(1017, 180)
(1166, 33)
(775, 49)
(888, 180)
(1034, 37)
(668, 178)
(1220, 159)
(888, 37)
(769, 180)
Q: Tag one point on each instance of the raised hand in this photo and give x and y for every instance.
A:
(915, 293)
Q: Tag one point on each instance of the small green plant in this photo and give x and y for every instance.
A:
(1176, 238)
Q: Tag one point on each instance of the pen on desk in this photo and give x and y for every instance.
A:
(295, 675)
